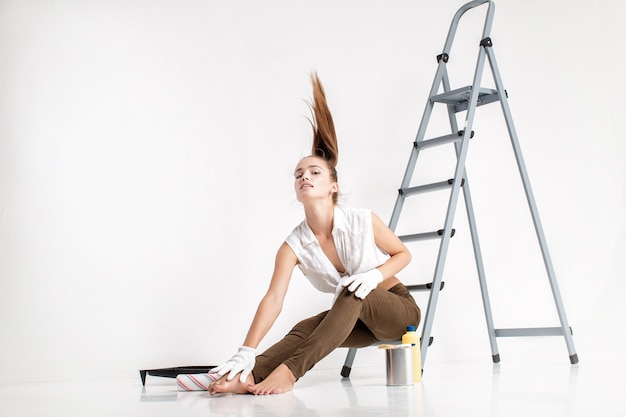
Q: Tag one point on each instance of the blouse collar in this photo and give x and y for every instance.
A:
(339, 225)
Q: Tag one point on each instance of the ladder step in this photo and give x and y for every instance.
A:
(460, 97)
(428, 187)
(424, 287)
(532, 331)
(425, 236)
(442, 140)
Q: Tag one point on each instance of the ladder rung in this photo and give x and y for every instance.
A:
(428, 187)
(425, 236)
(532, 331)
(424, 287)
(442, 140)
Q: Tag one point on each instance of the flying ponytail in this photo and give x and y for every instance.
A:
(324, 136)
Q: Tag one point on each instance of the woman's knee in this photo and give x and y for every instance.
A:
(347, 298)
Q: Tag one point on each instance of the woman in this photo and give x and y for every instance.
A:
(348, 252)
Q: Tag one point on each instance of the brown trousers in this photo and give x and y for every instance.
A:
(351, 322)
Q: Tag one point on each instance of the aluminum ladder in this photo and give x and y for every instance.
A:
(467, 99)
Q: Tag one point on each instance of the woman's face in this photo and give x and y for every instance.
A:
(312, 179)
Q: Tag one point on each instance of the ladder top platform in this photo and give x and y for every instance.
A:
(462, 94)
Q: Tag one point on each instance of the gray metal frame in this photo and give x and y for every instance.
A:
(468, 99)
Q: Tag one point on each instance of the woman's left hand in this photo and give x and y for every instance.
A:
(362, 284)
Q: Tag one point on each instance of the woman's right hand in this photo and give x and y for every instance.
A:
(243, 361)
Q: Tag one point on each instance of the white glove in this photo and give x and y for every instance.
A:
(243, 361)
(362, 284)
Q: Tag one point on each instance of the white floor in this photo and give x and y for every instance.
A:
(591, 388)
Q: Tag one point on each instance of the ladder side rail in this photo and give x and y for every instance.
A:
(397, 208)
(452, 203)
(443, 249)
(421, 132)
(457, 17)
(532, 206)
(478, 257)
(480, 269)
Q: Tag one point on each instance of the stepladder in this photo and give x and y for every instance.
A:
(462, 103)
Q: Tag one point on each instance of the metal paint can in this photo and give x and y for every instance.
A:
(399, 365)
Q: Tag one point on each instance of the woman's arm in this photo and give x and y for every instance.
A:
(272, 303)
(390, 243)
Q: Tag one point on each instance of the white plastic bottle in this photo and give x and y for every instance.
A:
(411, 337)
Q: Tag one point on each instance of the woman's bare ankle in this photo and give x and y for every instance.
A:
(281, 380)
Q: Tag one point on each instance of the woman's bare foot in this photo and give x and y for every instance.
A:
(279, 381)
(234, 386)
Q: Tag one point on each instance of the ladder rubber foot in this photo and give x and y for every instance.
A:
(345, 371)
(496, 358)
(573, 359)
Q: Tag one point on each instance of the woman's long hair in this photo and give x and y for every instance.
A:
(324, 136)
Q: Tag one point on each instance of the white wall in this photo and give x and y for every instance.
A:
(146, 152)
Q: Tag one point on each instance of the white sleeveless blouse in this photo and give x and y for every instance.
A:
(354, 239)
